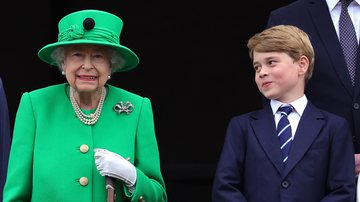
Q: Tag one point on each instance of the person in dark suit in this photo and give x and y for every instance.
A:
(319, 164)
(331, 88)
(5, 137)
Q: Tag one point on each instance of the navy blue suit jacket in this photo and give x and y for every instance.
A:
(320, 165)
(330, 88)
(5, 138)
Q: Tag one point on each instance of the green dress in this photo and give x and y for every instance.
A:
(52, 158)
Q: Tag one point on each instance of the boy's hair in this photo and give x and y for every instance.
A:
(284, 38)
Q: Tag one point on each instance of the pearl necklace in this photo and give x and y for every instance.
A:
(93, 117)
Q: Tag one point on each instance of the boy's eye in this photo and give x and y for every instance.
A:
(271, 62)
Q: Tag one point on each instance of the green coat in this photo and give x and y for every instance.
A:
(49, 159)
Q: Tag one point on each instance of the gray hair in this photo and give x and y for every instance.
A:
(116, 60)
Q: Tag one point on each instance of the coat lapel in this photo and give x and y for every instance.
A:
(328, 36)
(357, 74)
(308, 129)
(263, 125)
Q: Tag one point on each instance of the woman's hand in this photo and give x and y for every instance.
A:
(114, 165)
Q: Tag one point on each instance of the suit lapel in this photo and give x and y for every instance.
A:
(327, 34)
(308, 129)
(263, 125)
(357, 74)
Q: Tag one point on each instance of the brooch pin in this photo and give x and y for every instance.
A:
(126, 107)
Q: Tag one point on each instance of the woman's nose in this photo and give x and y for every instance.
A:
(87, 63)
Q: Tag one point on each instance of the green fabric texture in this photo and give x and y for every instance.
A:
(46, 163)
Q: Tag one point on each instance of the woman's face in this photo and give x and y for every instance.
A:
(87, 67)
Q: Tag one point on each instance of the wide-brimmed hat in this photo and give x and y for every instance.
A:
(90, 27)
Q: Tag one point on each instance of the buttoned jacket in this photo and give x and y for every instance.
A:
(320, 166)
(52, 157)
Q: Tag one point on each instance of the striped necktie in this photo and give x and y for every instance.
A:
(284, 131)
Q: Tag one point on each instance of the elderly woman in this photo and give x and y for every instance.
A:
(69, 137)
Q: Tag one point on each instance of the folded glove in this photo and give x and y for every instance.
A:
(114, 165)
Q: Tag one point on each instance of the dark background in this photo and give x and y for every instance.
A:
(194, 67)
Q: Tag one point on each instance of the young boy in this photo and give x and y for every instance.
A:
(315, 163)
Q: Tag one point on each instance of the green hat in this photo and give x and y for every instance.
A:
(90, 27)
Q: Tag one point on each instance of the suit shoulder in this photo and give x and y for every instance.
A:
(116, 94)
(49, 90)
(120, 92)
(331, 116)
(293, 7)
(324, 114)
(246, 116)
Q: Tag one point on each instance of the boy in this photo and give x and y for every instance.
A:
(315, 163)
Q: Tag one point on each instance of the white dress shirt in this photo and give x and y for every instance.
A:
(294, 117)
(354, 12)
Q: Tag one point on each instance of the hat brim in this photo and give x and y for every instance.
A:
(131, 59)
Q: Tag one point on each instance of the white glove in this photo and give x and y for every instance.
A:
(114, 165)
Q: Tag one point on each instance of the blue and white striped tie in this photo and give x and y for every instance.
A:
(284, 131)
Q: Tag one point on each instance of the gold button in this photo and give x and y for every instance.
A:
(84, 148)
(84, 181)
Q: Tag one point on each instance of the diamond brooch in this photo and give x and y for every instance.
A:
(126, 107)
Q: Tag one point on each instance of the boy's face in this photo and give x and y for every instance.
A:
(278, 76)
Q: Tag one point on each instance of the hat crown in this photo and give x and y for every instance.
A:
(106, 26)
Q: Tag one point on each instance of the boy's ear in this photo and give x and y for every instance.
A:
(303, 65)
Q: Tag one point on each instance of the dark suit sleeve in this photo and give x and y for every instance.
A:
(5, 138)
(227, 185)
(341, 168)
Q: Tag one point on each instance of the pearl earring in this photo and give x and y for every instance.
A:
(109, 77)
(63, 72)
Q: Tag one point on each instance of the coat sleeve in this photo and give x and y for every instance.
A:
(341, 168)
(19, 180)
(228, 181)
(5, 137)
(150, 185)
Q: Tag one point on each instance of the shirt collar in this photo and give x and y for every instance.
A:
(332, 3)
(299, 105)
